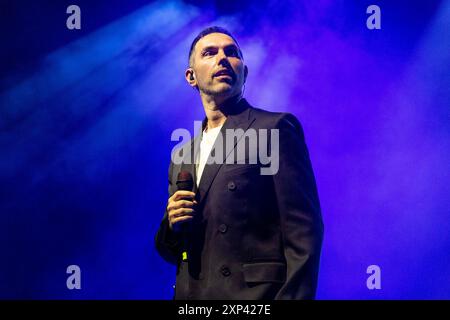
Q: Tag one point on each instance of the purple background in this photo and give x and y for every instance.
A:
(86, 118)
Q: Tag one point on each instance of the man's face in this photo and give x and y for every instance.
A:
(218, 66)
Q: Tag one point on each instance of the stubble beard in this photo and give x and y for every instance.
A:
(218, 92)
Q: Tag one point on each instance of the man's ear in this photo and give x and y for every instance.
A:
(190, 77)
(245, 73)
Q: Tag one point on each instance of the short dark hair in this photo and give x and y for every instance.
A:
(210, 30)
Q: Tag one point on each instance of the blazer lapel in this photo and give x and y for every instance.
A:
(190, 158)
(240, 120)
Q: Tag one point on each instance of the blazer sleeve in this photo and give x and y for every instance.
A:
(300, 213)
(167, 242)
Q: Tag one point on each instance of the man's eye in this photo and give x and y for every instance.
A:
(232, 53)
(207, 53)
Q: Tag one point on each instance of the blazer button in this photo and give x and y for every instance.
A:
(231, 186)
(223, 228)
(225, 271)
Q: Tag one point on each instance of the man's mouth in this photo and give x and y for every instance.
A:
(223, 73)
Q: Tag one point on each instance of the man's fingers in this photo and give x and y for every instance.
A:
(173, 205)
(182, 204)
(182, 194)
(181, 212)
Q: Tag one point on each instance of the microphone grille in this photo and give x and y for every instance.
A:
(185, 181)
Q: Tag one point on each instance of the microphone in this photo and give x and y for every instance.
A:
(185, 182)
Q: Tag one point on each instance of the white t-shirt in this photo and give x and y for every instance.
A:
(206, 144)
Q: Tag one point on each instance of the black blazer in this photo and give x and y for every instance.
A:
(254, 236)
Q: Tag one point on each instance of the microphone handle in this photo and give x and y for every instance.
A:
(185, 235)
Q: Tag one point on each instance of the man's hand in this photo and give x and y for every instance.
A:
(180, 209)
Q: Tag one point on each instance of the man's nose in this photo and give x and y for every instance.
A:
(222, 58)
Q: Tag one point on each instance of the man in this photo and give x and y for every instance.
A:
(249, 235)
